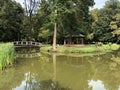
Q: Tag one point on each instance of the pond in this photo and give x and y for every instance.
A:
(52, 71)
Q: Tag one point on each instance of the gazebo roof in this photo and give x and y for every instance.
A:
(75, 35)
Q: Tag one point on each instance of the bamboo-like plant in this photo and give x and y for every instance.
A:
(7, 53)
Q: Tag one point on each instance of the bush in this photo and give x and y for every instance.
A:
(115, 46)
(111, 46)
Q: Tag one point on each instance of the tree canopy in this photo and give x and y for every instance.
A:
(71, 16)
(11, 19)
(106, 22)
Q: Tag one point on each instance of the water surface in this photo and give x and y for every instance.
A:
(63, 72)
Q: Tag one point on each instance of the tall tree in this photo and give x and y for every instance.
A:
(30, 8)
(104, 23)
(11, 19)
(71, 16)
(115, 26)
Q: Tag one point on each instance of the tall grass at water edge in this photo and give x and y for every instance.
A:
(7, 53)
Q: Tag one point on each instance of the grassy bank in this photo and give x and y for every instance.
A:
(6, 54)
(83, 49)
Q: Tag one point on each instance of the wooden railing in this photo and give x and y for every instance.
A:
(26, 43)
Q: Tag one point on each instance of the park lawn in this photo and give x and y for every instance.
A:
(82, 49)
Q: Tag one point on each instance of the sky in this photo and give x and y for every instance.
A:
(98, 3)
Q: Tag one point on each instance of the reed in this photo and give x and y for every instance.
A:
(7, 53)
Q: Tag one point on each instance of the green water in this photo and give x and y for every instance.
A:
(63, 72)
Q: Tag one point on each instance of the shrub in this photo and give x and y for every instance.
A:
(115, 46)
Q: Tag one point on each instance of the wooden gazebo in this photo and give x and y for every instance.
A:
(74, 40)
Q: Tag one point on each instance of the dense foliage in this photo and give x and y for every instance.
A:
(106, 26)
(67, 14)
(11, 18)
(71, 17)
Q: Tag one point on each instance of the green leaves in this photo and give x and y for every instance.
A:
(115, 25)
(70, 16)
(106, 22)
(11, 16)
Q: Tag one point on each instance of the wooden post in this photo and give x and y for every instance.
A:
(70, 39)
(82, 41)
(64, 42)
(21, 43)
(77, 40)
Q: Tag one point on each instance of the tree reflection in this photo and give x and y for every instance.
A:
(54, 66)
(30, 83)
(108, 71)
(50, 85)
(56, 72)
(115, 63)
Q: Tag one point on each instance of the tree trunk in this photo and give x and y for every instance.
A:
(30, 28)
(54, 38)
(70, 42)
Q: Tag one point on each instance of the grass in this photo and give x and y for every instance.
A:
(7, 53)
(83, 49)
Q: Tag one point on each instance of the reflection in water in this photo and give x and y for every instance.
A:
(119, 88)
(96, 85)
(62, 72)
(30, 55)
(115, 63)
(27, 52)
(30, 83)
(54, 66)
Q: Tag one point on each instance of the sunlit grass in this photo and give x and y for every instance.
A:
(83, 49)
(7, 53)
(111, 47)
